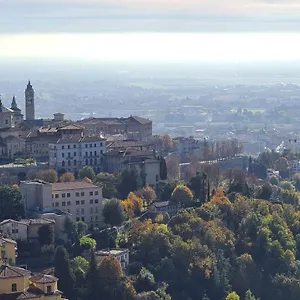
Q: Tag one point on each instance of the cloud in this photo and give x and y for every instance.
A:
(149, 15)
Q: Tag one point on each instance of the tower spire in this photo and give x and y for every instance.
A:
(14, 103)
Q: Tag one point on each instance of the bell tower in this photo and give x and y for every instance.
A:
(29, 102)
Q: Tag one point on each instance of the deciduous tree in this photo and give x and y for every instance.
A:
(67, 177)
(113, 213)
(182, 194)
(48, 176)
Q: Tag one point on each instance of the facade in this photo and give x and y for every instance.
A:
(16, 230)
(122, 255)
(187, 145)
(164, 207)
(82, 200)
(133, 126)
(17, 283)
(8, 251)
(295, 166)
(74, 152)
(29, 103)
(35, 224)
(36, 195)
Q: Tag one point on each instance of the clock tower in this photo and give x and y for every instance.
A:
(29, 102)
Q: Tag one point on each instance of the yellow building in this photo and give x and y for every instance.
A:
(8, 251)
(17, 283)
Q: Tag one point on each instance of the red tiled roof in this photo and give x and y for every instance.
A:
(43, 278)
(11, 272)
(62, 186)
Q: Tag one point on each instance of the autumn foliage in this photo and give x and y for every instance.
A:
(132, 205)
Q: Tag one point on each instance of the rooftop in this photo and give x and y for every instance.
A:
(7, 240)
(62, 186)
(44, 279)
(11, 221)
(38, 221)
(12, 272)
(114, 252)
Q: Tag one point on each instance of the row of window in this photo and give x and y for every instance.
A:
(75, 146)
(91, 210)
(63, 195)
(91, 220)
(14, 288)
(82, 202)
(86, 154)
(87, 162)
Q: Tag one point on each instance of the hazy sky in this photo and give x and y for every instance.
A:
(151, 29)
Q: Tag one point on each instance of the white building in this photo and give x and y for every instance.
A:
(16, 230)
(73, 153)
(122, 255)
(83, 200)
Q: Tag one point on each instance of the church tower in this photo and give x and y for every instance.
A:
(29, 102)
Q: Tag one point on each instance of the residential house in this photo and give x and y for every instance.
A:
(163, 207)
(17, 283)
(187, 145)
(122, 255)
(72, 153)
(8, 251)
(16, 230)
(34, 226)
(82, 200)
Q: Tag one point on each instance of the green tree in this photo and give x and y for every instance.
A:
(87, 243)
(274, 180)
(163, 169)
(145, 281)
(70, 230)
(250, 296)
(64, 272)
(286, 185)
(109, 183)
(113, 213)
(182, 194)
(87, 172)
(45, 235)
(81, 263)
(92, 278)
(81, 228)
(48, 176)
(67, 177)
(130, 181)
(11, 204)
(233, 296)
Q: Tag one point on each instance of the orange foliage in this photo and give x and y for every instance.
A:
(132, 205)
(220, 199)
(88, 180)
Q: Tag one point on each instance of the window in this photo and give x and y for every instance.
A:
(62, 155)
(86, 154)
(100, 144)
(63, 195)
(82, 194)
(91, 153)
(86, 145)
(91, 201)
(82, 219)
(14, 287)
(91, 210)
(101, 151)
(77, 202)
(63, 203)
(96, 201)
(49, 289)
(86, 161)
(77, 211)
(77, 194)
(95, 153)
(91, 218)
(75, 162)
(63, 163)
(95, 145)
(69, 203)
(56, 204)
(96, 210)
(68, 195)
(62, 147)
(96, 193)
(95, 161)
(74, 146)
(91, 145)
(69, 146)
(96, 218)
(69, 154)
(77, 219)
(82, 211)
(91, 193)
(75, 153)
(56, 196)
(69, 163)
(82, 202)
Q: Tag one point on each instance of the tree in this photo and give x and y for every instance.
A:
(145, 281)
(109, 184)
(67, 177)
(173, 169)
(81, 263)
(130, 181)
(70, 229)
(87, 243)
(11, 204)
(282, 165)
(286, 185)
(148, 194)
(249, 296)
(113, 213)
(48, 176)
(64, 272)
(274, 180)
(266, 191)
(163, 169)
(132, 205)
(182, 194)
(81, 228)
(233, 296)
(87, 172)
(45, 235)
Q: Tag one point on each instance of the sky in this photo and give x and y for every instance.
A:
(151, 30)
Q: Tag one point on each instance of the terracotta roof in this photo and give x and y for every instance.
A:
(62, 186)
(6, 240)
(12, 272)
(137, 119)
(129, 152)
(12, 221)
(38, 221)
(43, 278)
(71, 127)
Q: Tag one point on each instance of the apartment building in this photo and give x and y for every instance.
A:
(122, 255)
(17, 230)
(8, 251)
(83, 200)
(72, 153)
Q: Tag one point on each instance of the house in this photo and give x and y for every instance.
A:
(34, 226)
(17, 283)
(163, 207)
(122, 255)
(8, 251)
(71, 153)
(16, 230)
(82, 200)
